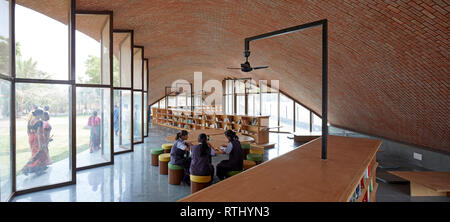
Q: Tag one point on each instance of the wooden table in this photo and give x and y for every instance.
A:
(217, 137)
(299, 175)
(426, 183)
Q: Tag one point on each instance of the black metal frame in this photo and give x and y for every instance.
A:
(130, 89)
(70, 82)
(324, 24)
(142, 94)
(101, 85)
(145, 104)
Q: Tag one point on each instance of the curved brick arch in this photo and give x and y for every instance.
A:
(388, 61)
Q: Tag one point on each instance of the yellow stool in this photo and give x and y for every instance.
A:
(257, 150)
(199, 182)
(164, 163)
(167, 147)
(249, 164)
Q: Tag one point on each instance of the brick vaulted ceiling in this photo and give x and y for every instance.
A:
(388, 60)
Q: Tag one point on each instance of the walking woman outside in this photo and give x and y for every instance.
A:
(94, 123)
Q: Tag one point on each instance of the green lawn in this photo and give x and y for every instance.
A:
(58, 148)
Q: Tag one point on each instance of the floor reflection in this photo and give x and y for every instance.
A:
(132, 178)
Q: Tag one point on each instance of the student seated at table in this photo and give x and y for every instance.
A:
(236, 159)
(179, 154)
(201, 157)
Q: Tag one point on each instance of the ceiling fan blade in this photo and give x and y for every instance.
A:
(260, 67)
(233, 68)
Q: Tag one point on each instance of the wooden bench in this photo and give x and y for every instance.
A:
(426, 183)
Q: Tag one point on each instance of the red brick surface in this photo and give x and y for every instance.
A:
(388, 60)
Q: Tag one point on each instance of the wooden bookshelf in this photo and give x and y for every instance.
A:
(253, 126)
(301, 175)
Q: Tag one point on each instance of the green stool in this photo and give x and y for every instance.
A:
(258, 158)
(246, 148)
(155, 153)
(175, 174)
(232, 173)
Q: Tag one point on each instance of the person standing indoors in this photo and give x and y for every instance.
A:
(179, 154)
(236, 156)
(201, 158)
(94, 123)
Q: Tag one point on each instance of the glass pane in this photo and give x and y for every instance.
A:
(301, 119)
(145, 74)
(137, 70)
(269, 106)
(122, 63)
(172, 101)
(92, 49)
(162, 103)
(240, 105)
(137, 116)
(145, 114)
(230, 107)
(239, 86)
(122, 120)
(42, 43)
(42, 135)
(253, 104)
(106, 78)
(286, 114)
(93, 126)
(316, 124)
(4, 38)
(5, 136)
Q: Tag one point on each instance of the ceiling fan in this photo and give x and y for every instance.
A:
(246, 67)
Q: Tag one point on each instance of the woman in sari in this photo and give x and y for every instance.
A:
(38, 144)
(94, 123)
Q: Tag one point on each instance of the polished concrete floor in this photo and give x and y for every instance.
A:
(133, 179)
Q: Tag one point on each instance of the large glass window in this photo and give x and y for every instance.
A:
(42, 135)
(162, 103)
(316, 124)
(42, 47)
(172, 101)
(4, 38)
(122, 120)
(145, 74)
(302, 116)
(5, 136)
(229, 96)
(93, 126)
(145, 115)
(286, 114)
(254, 101)
(122, 59)
(92, 49)
(137, 70)
(270, 107)
(240, 104)
(137, 116)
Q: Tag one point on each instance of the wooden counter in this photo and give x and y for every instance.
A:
(300, 175)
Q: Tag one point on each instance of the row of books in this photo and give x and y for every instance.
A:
(365, 183)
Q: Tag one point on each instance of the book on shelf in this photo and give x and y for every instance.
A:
(225, 127)
(226, 120)
(217, 119)
(239, 121)
(255, 121)
(366, 197)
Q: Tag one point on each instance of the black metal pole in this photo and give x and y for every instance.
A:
(324, 88)
(324, 24)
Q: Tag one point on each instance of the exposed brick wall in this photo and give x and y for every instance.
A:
(388, 60)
